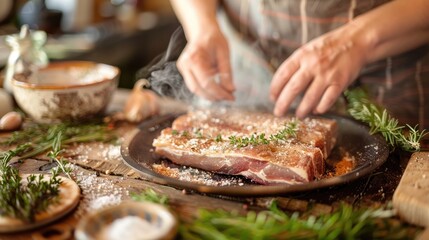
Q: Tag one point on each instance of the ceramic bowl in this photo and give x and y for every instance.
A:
(123, 221)
(66, 91)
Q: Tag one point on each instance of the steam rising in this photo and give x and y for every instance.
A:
(162, 73)
(251, 82)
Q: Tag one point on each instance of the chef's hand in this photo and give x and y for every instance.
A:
(205, 66)
(321, 69)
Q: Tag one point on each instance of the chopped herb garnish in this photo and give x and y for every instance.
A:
(219, 138)
(175, 132)
(185, 134)
(288, 131)
(199, 133)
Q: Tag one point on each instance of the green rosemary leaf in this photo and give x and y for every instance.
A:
(41, 136)
(25, 199)
(345, 222)
(380, 121)
(150, 195)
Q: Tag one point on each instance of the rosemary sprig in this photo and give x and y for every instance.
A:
(25, 199)
(345, 222)
(54, 156)
(149, 195)
(42, 136)
(380, 121)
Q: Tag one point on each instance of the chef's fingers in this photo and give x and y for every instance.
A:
(296, 85)
(281, 77)
(329, 97)
(205, 75)
(311, 98)
(211, 86)
(225, 72)
(198, 75)
(193, 85)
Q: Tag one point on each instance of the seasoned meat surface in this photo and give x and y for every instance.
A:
(259, 146)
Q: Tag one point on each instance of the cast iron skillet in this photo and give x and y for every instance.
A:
(369, 152)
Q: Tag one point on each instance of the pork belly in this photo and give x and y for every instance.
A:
(200, 139)
(315, 131)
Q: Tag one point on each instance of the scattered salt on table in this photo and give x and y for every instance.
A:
(97, 192)
(103, 201)
(130, 228)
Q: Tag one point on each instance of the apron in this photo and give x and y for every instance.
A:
(263, 33)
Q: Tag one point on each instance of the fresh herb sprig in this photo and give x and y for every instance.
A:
(54, 156)
(25, 199)
(42, 136)
(290, 129)
(254, 139)
(149, 195)
(343, 223)
(380, 121)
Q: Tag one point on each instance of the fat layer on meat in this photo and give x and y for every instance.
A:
(201, 139)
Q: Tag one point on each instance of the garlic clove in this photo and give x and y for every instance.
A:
(10, 121)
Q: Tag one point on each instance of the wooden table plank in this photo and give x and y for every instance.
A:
(411, 198)
(101, 164)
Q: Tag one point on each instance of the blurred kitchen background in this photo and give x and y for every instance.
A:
(124, 33)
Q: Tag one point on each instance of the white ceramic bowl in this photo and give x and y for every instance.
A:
(114, 222)
(66, 91)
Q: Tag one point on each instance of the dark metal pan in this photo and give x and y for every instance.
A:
(369, 152)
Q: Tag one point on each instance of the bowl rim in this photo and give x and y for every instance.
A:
(23, 84)
(168, 230)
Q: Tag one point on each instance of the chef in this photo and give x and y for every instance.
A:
(304, 53)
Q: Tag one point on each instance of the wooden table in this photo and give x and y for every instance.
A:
(94, 162)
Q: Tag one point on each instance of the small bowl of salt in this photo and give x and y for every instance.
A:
(128, 220)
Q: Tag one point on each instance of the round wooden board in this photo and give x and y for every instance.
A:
(69, 197)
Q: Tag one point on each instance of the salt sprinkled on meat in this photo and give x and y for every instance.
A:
(306, 151)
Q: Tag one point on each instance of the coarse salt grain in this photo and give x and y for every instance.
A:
(130, 228)
(189, 174)
(103, 201)
(97, 192)
(111, 153)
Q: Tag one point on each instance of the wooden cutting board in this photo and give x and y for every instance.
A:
(411, 198)
(69, 197)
